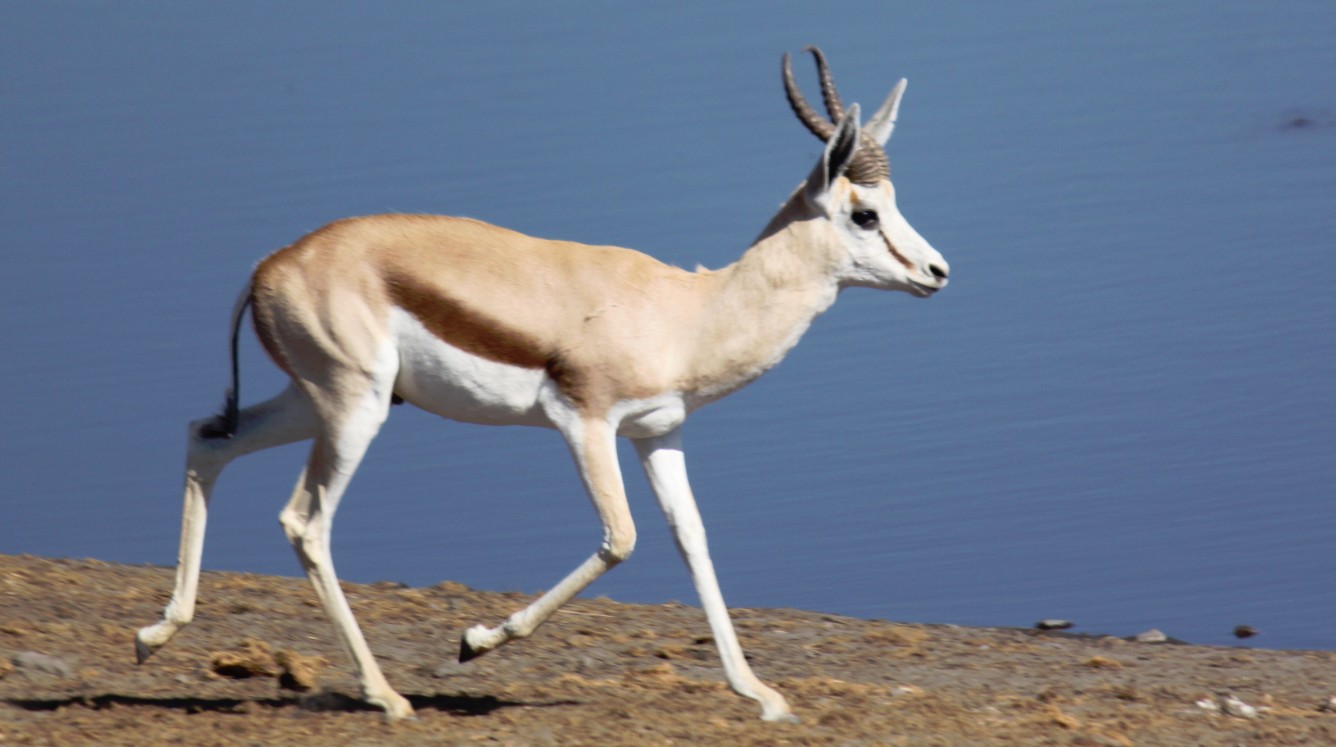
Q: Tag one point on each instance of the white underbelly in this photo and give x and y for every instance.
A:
(453, 383)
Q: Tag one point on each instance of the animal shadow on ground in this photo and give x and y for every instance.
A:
(454, 705)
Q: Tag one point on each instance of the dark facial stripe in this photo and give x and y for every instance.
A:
(894, 252)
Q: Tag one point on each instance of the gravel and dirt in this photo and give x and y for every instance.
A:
(260, 666)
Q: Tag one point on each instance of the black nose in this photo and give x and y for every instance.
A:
(937, 272)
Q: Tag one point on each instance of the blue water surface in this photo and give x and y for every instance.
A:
(1121, 411)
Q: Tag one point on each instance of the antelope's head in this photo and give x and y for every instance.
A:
(851, 188)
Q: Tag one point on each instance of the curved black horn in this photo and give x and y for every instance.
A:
(806, 114)
(869, 165)
(828, 93)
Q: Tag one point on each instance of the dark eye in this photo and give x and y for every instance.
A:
(865, 219)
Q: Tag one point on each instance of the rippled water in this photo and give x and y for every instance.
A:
(1121, 412)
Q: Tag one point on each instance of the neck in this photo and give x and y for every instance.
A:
(762, 304)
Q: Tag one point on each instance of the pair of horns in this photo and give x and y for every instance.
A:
(868, 165)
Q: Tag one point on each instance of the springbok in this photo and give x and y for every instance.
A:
(484, 325)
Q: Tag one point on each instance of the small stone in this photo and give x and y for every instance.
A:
(1208, 704)
(298, 672)
(1154, 635)
(1052, 624)
(253, 660)
(1245, 631)
(42, 663)
(1235, 707)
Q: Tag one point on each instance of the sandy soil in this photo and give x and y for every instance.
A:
(260, 667)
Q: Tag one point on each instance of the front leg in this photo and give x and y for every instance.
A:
(593, 444)
(661, 456)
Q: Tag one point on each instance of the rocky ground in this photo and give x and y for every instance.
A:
(260, 667)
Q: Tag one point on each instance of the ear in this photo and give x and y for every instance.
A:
(880, 124)
(835, 159)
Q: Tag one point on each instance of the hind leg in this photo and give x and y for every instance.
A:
(287, 418)
(308, 520)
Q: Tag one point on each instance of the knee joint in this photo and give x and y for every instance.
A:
(618, 546)
(294, 525)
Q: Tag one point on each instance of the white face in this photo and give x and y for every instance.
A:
(884, 251)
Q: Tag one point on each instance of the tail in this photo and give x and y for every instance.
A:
(225, 425)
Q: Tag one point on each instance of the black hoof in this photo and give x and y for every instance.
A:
(467, 652)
